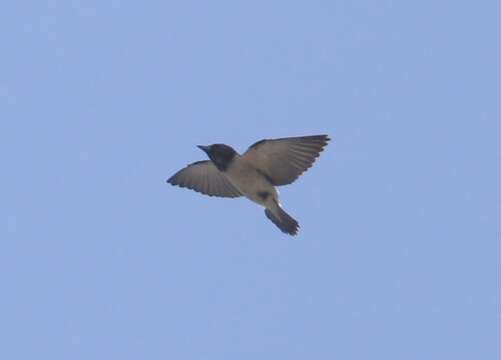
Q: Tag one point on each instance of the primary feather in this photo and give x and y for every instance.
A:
(282, 161)
(204, 177)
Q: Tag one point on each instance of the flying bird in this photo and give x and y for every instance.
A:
(254, 174)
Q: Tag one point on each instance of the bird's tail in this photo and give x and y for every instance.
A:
(282, 220)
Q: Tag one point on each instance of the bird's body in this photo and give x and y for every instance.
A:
(250, 182)
(254, 174)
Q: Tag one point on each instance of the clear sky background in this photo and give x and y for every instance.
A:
(399, 251)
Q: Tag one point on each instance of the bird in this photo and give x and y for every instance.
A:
(254, 174)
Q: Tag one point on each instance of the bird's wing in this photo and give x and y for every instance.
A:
(283, 160)
(204, 177)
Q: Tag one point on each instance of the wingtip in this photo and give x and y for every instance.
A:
(172, 181)
(322, 137)
(322, 140)
(325, 137)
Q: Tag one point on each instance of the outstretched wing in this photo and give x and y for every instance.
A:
(204, 177)
(283, 160)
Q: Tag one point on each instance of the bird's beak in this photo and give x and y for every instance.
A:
(204, 148)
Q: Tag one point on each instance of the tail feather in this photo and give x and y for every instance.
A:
(282, 220)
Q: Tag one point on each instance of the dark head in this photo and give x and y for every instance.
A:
(220, 154)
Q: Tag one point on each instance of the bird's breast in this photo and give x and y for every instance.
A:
(250, 182)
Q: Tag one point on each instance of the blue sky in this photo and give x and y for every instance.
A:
(398, 253)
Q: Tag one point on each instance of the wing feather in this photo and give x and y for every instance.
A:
(205, 178)
(284, 160)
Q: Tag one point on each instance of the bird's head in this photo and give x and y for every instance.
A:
(220, 154)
